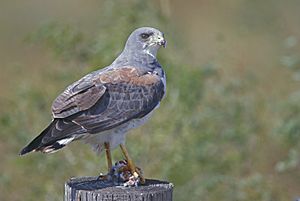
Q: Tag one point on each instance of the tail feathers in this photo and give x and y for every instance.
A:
(36, 142)
(56, 145)
(51, 145)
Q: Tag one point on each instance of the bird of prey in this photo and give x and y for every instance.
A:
(104, 105)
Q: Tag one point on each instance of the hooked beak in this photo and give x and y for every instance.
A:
(161, 41)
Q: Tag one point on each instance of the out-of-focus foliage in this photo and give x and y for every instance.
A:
(64, 40)
(227, 130)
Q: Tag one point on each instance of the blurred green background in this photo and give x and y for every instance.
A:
(229, 128)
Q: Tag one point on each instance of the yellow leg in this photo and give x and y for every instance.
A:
(134, 171)
(108, 155)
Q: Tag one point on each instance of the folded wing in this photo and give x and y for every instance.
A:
(99, 102)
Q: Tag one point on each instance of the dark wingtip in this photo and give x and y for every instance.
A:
(36, 142)
(24, 151)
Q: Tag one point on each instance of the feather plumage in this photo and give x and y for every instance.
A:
(106, 101)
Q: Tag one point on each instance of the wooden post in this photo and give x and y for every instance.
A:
(91, 189)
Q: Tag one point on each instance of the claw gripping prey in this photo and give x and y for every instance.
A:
(123, 171)
(120, 174)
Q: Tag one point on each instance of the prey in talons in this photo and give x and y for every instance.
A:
(122, 172)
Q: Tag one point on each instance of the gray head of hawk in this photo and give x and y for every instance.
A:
(145, 39)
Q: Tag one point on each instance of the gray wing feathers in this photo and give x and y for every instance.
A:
(101, 101)
(61, 129)
(98, 102)
(78, 97)
(127, 103)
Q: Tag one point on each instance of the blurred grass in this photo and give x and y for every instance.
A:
(228, 128)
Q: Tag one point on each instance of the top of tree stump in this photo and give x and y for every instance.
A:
(93, 189)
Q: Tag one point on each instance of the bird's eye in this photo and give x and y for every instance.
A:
(145, 35)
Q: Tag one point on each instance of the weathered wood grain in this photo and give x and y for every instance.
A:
(91, 189)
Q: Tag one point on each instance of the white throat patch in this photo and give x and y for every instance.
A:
(149, 53)
(151, 50)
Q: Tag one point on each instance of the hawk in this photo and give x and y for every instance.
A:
(104, 105)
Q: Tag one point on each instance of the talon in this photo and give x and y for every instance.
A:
(102, 177)
(135, 174)
(135, 171)
(140, 174)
